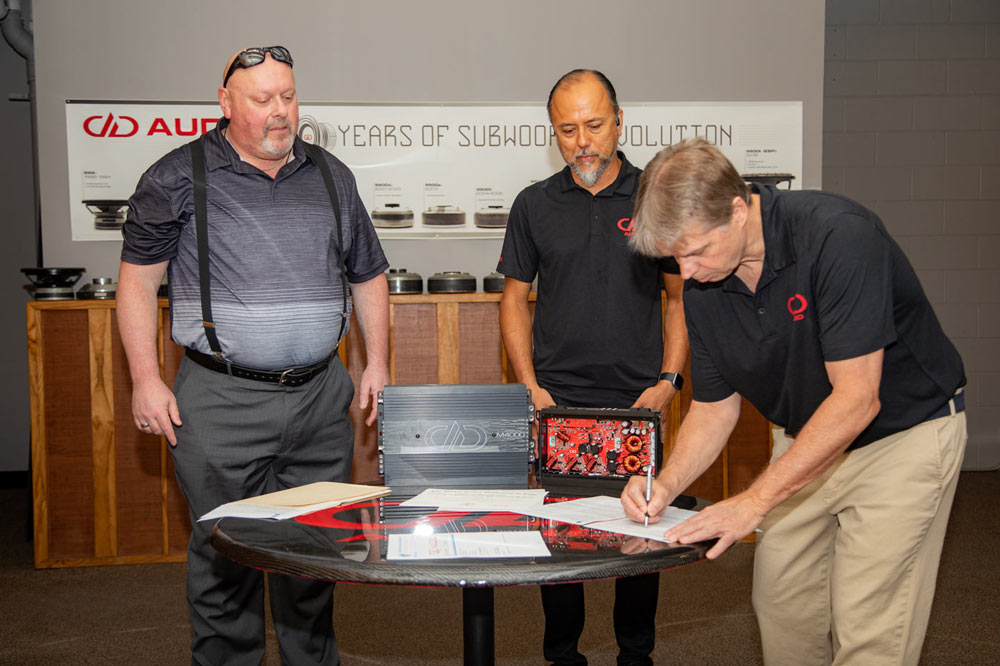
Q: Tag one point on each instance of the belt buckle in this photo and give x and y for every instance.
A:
(301, 372)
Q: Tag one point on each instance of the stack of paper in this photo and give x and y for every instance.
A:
(606, 513)
(297, 501)
(455, 499)
(599, 513)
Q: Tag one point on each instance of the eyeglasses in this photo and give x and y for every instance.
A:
(254, 56)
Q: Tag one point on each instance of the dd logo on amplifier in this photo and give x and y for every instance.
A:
(456, 436)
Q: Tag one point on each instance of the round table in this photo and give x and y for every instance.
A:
(349, 544)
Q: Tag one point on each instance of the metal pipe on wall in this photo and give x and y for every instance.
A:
(14, 30)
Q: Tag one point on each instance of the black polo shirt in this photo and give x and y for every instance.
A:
(834, 286)
(598, 326)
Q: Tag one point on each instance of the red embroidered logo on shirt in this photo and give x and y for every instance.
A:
(797, 304)
(625, 224)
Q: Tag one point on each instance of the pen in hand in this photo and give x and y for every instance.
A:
(649, 492)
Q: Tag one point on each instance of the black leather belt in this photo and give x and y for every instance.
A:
(946, 409)
(290, 377)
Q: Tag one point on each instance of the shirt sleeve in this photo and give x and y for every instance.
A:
(707, 384)
(853, 289)
(366, 258)
(154, 222)
(519, 257)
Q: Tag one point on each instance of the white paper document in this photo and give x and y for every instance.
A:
(235, 510)
(297, 501)
(582, 511)
(606, 513)
(454, 545)
(455, 499)
(655, 530)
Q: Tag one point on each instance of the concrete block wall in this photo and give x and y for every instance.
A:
(912, 130)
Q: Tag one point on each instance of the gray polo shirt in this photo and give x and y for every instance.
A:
(276, 289)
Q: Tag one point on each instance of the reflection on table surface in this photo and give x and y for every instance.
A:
(350, 543)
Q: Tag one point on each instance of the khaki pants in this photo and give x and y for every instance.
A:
(845, 569)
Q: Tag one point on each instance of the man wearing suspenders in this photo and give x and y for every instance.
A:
(260, 234)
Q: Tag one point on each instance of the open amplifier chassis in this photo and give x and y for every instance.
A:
(586, 451)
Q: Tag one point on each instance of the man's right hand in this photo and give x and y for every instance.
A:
(634, 499)
(154, 409)
(541, 398)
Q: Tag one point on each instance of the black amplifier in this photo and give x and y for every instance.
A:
(584, 451)
(455, 435)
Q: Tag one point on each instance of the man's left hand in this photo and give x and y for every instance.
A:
(728, 521)
(657, 396)
(373, 380)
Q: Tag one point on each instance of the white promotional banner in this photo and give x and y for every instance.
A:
(423, 171)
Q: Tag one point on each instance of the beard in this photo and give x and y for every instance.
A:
(590, 178)
(277, 147)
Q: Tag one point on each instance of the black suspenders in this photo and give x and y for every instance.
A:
(201, 228)
(315, 153)
(201, 233)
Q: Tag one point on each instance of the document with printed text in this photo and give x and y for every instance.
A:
(454, 545)
(606, 513)
(455, 499)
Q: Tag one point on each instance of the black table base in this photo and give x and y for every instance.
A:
(477, 626)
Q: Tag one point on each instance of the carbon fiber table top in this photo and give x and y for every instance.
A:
(349, 544)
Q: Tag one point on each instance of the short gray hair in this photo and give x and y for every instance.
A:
(689, 180)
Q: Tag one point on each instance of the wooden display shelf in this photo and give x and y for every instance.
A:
(105, 493)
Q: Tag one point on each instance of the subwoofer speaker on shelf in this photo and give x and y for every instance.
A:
(451, 282)
(402, 281)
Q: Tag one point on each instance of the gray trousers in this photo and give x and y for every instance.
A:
(241, 438)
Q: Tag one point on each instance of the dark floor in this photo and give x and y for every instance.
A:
(136, 614)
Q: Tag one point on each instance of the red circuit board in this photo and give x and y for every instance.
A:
(601, 447)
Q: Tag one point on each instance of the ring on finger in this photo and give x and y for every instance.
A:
(144, 425)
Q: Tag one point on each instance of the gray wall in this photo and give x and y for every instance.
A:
(17, 251)
(912, 129)
(429, 51)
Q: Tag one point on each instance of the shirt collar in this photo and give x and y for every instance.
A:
(220, 153)
(779, 250)
(624, 183)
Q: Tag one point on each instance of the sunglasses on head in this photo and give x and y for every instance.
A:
(254, 56)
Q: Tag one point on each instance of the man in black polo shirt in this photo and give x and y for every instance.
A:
(597, 336)
(802, 303)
